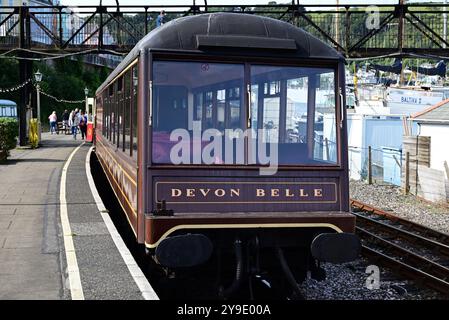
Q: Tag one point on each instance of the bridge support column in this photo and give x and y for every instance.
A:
(25, 72)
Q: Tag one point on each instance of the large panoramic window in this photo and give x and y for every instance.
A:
(293, 110)
(196, 102)
(209, 113)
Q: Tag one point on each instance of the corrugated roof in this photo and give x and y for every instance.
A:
(438, 112)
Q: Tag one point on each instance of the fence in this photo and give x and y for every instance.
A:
(408, 168)
(375, 165)
(325, 149)
(418, 177)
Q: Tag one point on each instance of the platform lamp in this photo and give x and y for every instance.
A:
(86, 92)
(38, 78)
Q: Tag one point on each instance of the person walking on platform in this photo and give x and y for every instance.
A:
(65, 120)
(53, 119)
(83, 124)
(74, 122)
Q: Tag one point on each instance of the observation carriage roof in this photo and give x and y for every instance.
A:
(224, 31)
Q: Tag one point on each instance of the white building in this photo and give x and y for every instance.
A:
(434, 123)
(383, 133)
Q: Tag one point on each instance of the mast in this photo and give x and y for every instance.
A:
(444, 23)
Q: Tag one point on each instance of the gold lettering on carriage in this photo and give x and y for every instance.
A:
(287, 193)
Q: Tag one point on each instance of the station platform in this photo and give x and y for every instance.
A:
(57, 241)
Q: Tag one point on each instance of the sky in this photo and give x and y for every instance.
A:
(230, 2)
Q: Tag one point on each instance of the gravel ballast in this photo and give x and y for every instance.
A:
(391, 198)
(349, 281)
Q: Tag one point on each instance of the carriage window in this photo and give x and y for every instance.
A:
(113, 108)
(127, 113)
(106, 116)
(293, 109)
(99, 114)
(119, 102)
(192, 97)
(134, 124)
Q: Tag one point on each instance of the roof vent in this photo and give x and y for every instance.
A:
(244, 42)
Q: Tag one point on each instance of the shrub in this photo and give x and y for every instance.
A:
(9, 130)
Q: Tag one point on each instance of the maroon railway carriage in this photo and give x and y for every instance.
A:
(189, 124)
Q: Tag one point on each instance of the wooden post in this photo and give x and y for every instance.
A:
(407, 173)
(370, 171)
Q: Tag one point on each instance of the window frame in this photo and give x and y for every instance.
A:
(248, 61)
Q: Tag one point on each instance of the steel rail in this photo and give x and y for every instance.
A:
(420, 277)
(406, 262)
(425, 264)
(412, 238)
(423, 230)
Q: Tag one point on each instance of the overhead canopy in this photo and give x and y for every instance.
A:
(233, 33)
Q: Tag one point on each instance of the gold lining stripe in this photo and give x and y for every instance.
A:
(118, 164)
(126, 214)
(123, 193)
(250, 202)
(126, 198)
(247, 182)
(242, 226)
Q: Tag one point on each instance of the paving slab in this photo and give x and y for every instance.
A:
(32, 254)
(107, 276)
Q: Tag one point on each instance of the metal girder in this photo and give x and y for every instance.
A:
(94, 32)
(8, 17)
(422, 31)
(428, 29)
(372, 32)
(342, 26)
(53, 37)
(123, 26)
(12, 27)
(79, 30)
(326, 36)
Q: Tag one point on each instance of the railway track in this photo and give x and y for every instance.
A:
(409, 249)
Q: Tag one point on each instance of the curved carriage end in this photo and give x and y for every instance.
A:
(269, 82)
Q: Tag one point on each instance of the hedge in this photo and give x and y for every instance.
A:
(9, 129)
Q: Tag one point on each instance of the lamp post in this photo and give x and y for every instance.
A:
(38, 78)
(86, 92)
